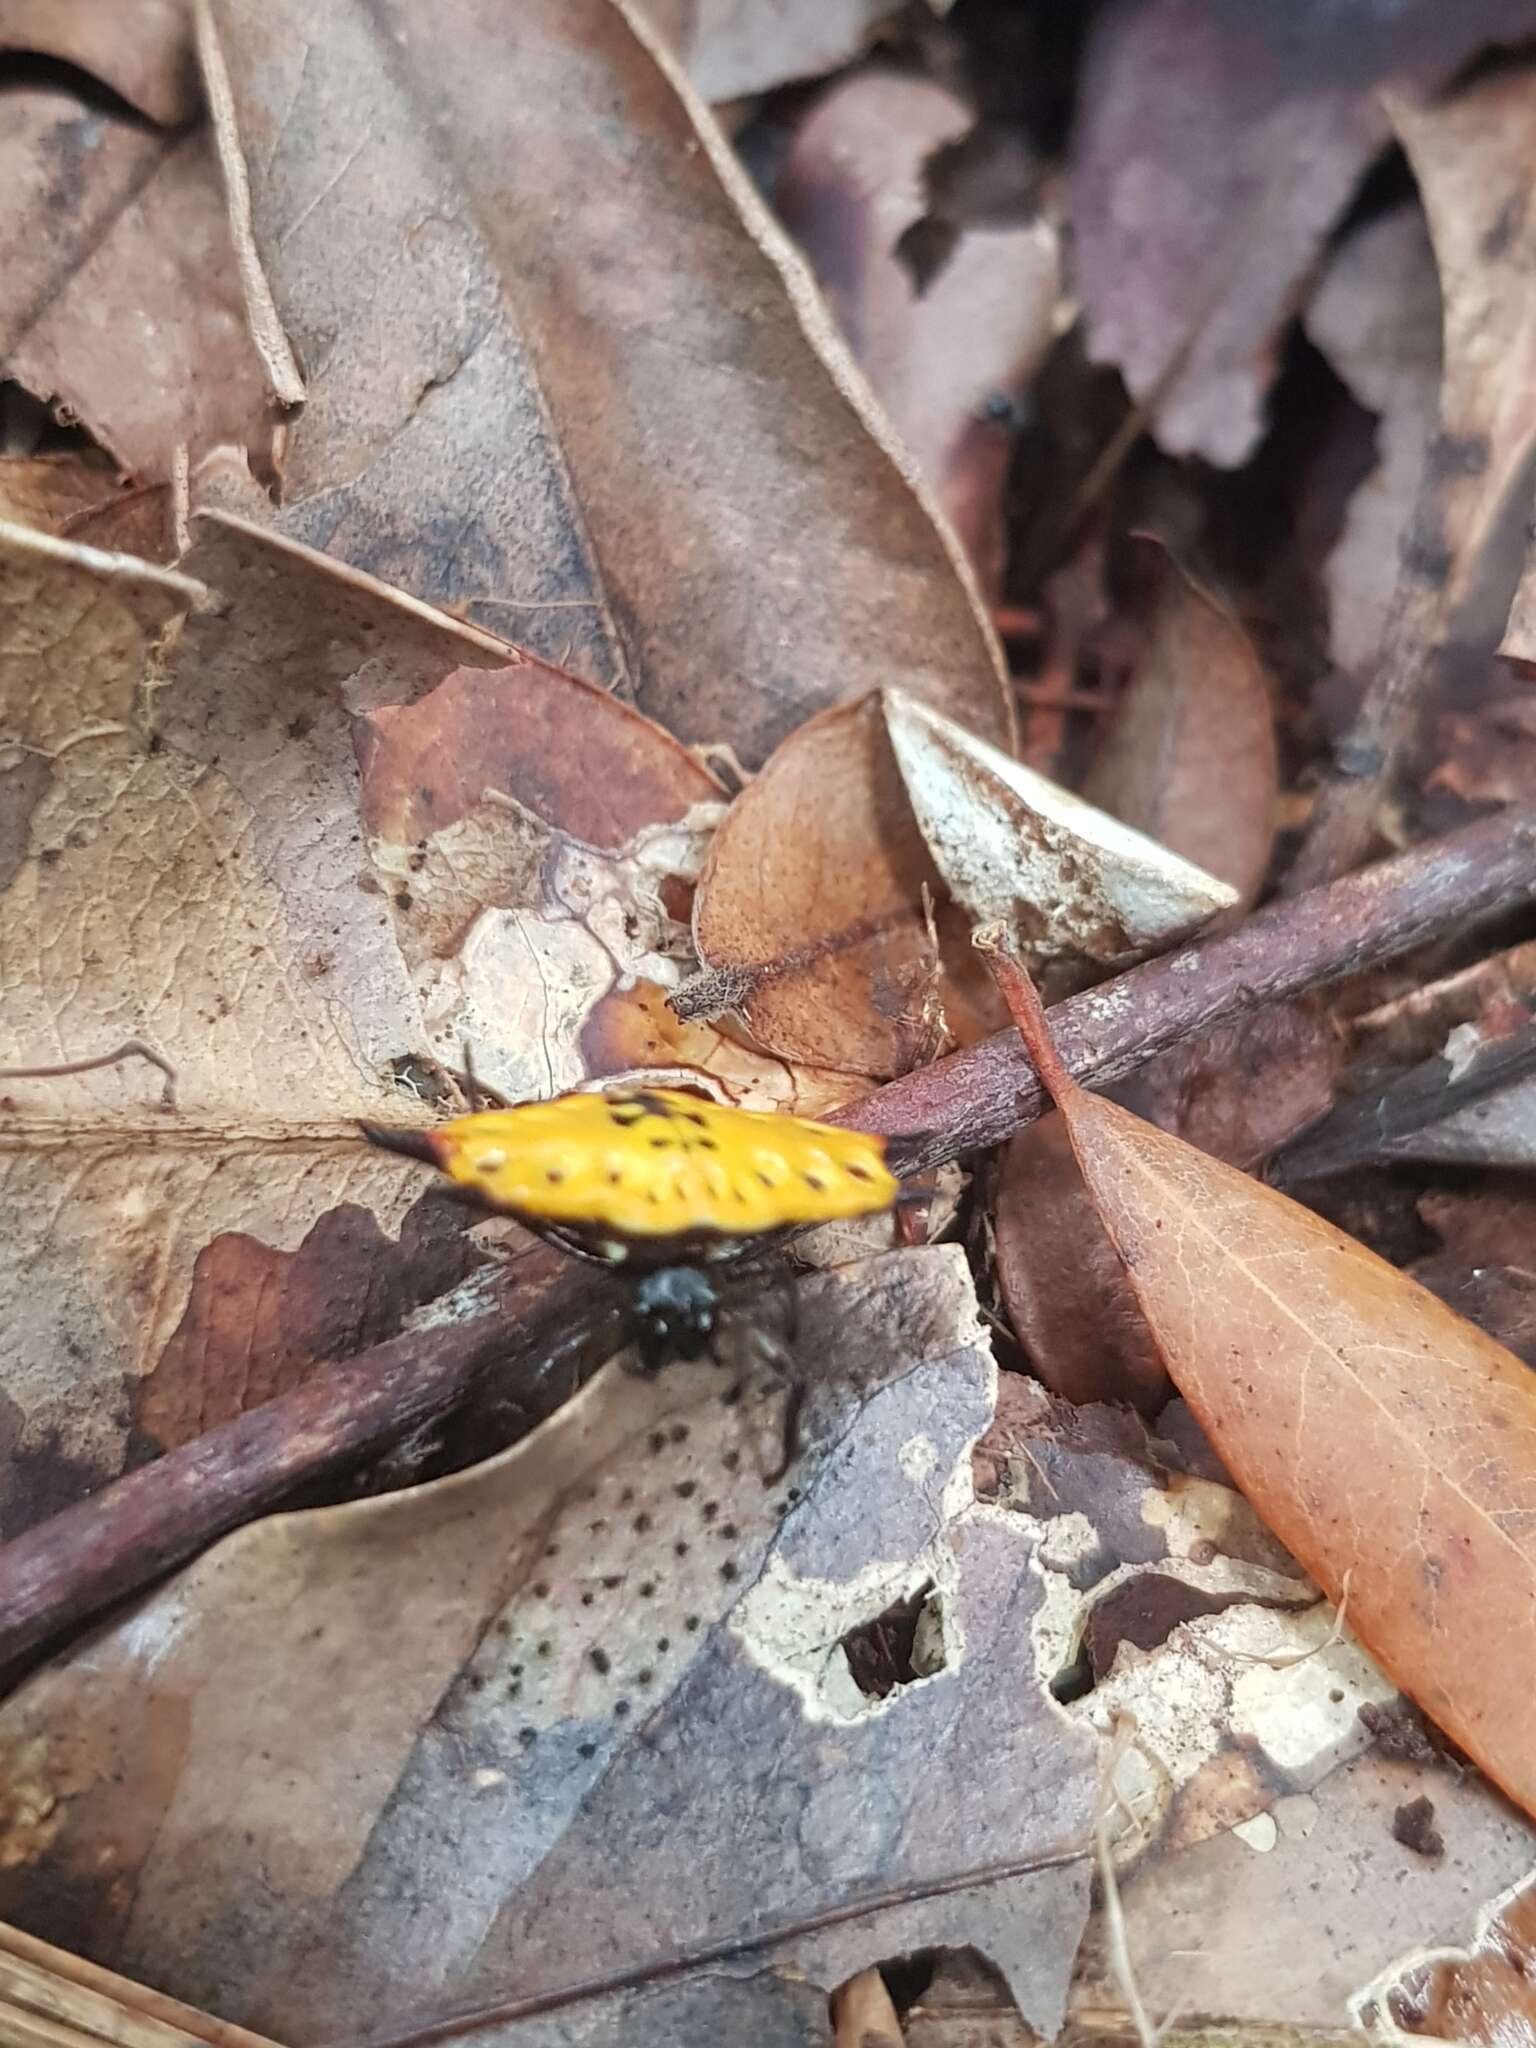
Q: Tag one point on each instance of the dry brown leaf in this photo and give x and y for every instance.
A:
(1062, 1283)
(1216, 147)
(644, 455)
(1486, 1266)
(1279, 1924)
(735, 47)
(141, 48)
(1382, 1438)
(1483, 1996)
(572, 1761)
(1471, 156)
(120, 303)
(1017, 848)
(1376, 317)
(1190, 758)
(1241, 1093)
(810, 910)
(947, 362)
(221, 839)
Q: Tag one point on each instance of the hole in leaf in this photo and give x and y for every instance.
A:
(885, 1654)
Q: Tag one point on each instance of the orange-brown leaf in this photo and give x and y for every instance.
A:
(1380, 1436)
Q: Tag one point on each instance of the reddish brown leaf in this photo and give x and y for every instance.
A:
(812, 900)
(1240, 1093)
(119, 299)
(1064, 1286)
(1390, 1445)
(141, 48)
(1190, 758)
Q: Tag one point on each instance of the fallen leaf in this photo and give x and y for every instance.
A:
(735, 47)
(1387, 1443)
(644, 457)
(810, 915)
(1474, 1105)
(1376, 317)
(1062, 1282)
(1486, 1266)
(552, 1769)
(1483, 1995)
(221, 839)
(1170, 1607)
(1190, 757)
(1279, 1925)
(1215, 150)
(120, 303)
(142, 50)
(1014, 846)
(1470, 157)
(1240, 1093)
(949, 363)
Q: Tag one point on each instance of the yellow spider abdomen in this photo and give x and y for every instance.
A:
(650, 1163)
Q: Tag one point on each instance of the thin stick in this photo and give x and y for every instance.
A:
(978, 1097)
(130, 1049)
(543, 1328)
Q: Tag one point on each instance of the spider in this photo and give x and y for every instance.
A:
(670, 1188)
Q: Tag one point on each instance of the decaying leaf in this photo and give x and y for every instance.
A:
(1169, 1605)
(119, 301)
(811, 917)
(1386, 1442)
(143, 49)
(575, 1732)
(1281, 1922)
(567, 429)
(1015, 847)
(1191, 758)
(735, 47)
(949, 363)
(223, 838)
(1376, 315)
(1216, 149)
(1483, 1995)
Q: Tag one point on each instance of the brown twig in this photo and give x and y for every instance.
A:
(135, 1529)
(130, 1049)
(540, 1330)
(984, 1094)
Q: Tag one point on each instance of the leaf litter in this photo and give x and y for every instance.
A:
(395, 564)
